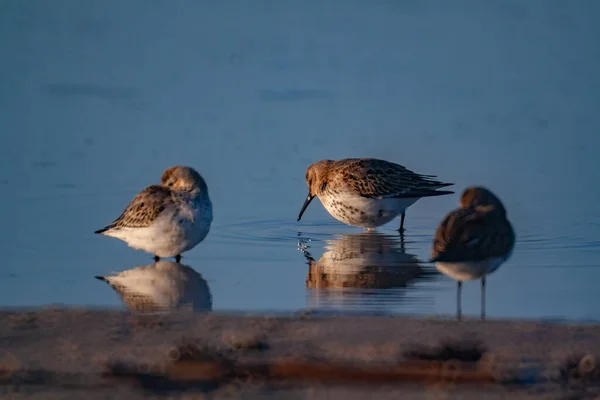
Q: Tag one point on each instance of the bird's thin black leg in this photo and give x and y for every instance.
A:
(401, 230)
(156, 258)
(458, 302)
(178, 258)
(483, 298)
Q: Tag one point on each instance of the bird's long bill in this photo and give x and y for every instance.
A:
(306, 203)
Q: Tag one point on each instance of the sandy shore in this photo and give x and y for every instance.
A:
(105, 354)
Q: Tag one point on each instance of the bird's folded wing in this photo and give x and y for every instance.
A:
(380, 179)
(472, 235)
(144, 208)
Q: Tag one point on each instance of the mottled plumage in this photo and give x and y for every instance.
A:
(474, 240)
(367, 192)
(166, 219)
(374, 178)
(143, 209)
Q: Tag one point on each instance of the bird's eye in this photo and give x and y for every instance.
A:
(170, 184)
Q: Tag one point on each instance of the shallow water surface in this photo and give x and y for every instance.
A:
(97, 99)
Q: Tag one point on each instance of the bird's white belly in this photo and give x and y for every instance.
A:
(466, 271)
(171, 234)
(364, 212)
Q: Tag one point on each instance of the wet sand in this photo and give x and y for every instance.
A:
(89, 354)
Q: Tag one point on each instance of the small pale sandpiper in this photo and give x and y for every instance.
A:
(367, 192)
(167, 219)
(473, 240)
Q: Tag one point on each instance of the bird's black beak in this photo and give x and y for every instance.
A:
(306, 203)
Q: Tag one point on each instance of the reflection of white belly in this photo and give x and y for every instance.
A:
(365, 212)
(163, 285)
(466, 271)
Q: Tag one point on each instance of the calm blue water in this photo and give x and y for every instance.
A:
(98, 98)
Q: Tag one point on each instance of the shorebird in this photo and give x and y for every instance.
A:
(167, 219)
(162, 286)
(367, 192)
(472, 241)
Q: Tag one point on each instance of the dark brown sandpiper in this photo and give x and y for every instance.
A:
(473, 240)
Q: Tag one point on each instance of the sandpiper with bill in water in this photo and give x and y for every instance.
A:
(367, 192)
(167, 219)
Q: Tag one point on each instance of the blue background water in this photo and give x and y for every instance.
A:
(97, 98)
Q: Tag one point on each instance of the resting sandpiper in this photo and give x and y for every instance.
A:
(473, 240)
(367, 192)
(167, 219)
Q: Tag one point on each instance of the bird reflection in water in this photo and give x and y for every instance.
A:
(161, 286)
(361, 270)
